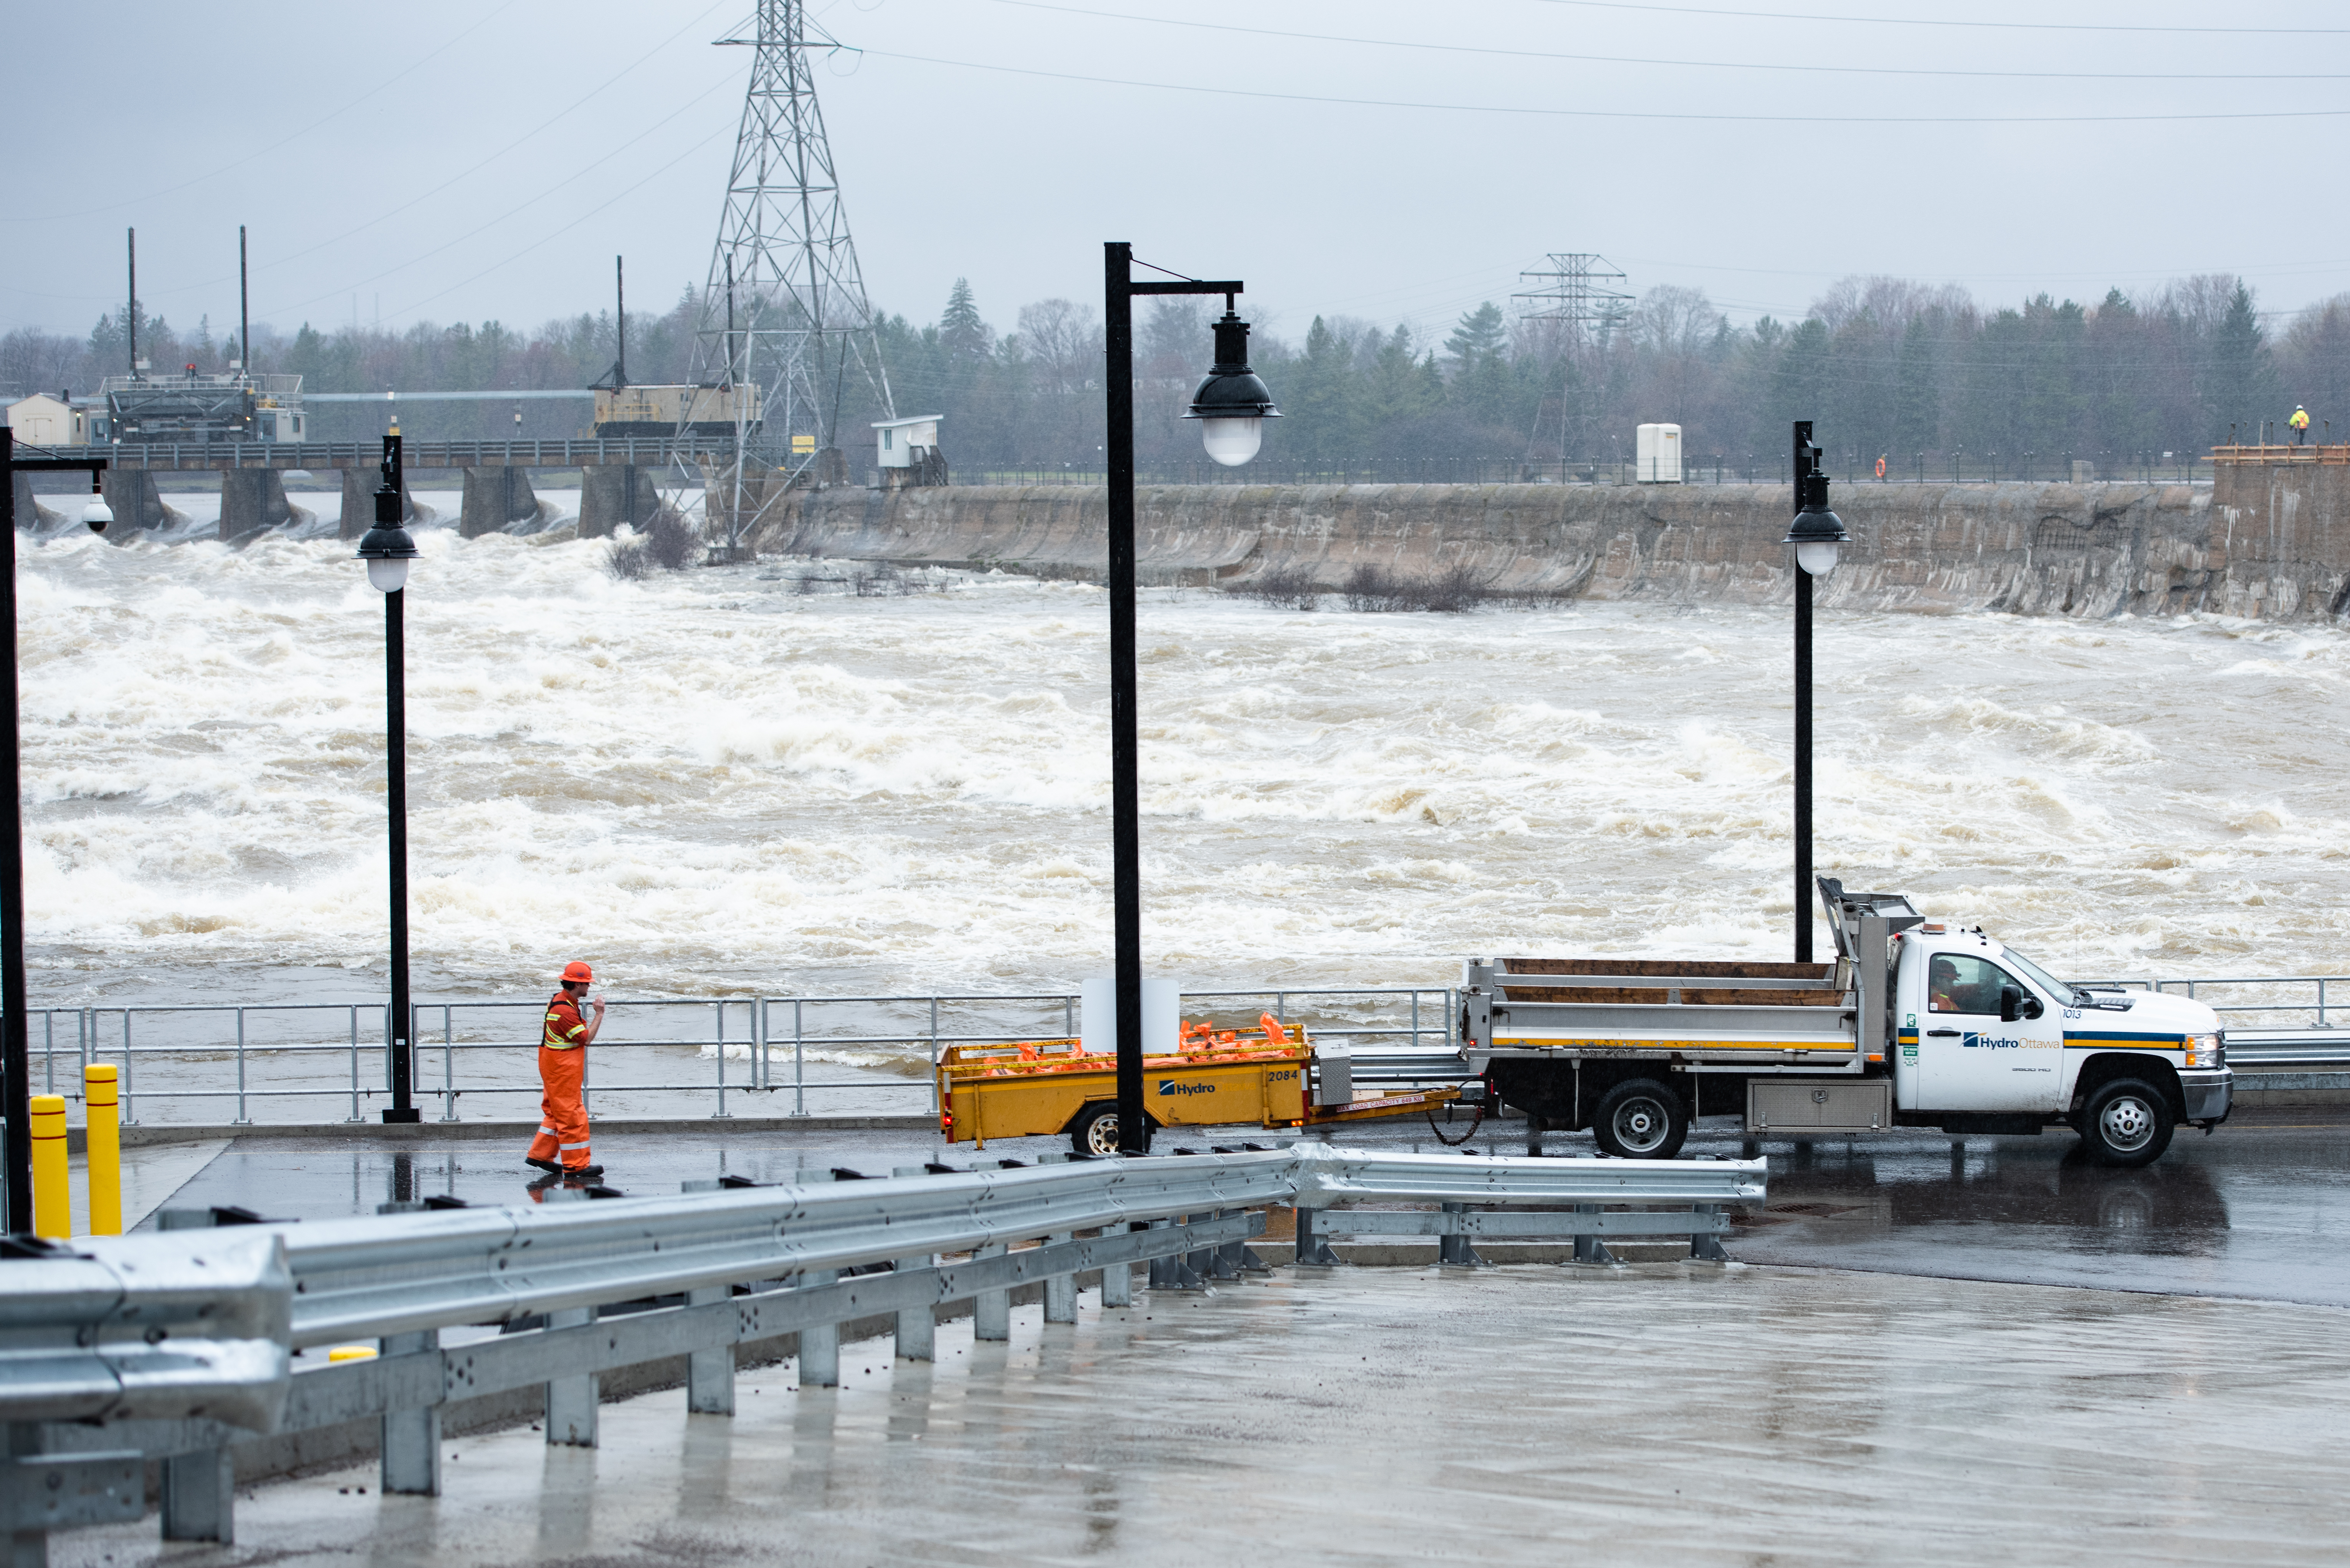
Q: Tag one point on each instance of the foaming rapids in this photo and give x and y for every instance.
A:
(714, 781)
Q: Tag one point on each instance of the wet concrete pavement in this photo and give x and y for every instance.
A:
(2261, 1209)
(1681, 1414)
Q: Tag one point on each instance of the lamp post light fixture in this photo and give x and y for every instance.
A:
(1232, 405)
(386, 549)
(1816, 533)
(16, 1049)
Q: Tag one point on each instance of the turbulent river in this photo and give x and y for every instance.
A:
(731, 780)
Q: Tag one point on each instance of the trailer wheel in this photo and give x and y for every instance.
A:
(1095, 1129)
(1642, 1119)
(2128, 1122)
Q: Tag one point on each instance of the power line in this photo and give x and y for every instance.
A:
(1621, 114)
(1941, 22)
(1702, 64)
(277, 144)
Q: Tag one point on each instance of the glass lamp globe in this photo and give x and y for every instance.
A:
(1232, 441)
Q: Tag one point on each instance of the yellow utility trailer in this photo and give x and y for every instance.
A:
(1218, 1077)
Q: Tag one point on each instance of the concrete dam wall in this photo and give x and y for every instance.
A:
(2267, 541)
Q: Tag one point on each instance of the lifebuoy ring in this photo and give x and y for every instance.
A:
(1880, 468)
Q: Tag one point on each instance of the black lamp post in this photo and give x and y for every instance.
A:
(386, 549)
(16, 1049)
(1815, 533)
(1232, 405)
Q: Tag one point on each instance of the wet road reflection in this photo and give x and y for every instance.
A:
(2260, 1209)
(2254, 1211)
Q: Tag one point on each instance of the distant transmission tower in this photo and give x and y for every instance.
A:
(785, 309)
(1587, 311)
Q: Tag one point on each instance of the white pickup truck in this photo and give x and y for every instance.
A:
(1915, 1024)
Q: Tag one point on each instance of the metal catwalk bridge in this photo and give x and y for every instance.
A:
(640, 452)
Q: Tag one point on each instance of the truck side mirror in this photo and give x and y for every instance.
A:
(2014, 1004)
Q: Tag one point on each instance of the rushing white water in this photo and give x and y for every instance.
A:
(712, 782)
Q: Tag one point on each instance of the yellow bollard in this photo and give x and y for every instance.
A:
(105, 1149)
(52, 1200)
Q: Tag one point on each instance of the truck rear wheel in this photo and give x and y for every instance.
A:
(2126, 1122)
(1642, 1119)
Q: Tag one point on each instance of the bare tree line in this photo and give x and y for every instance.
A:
(1884, 366)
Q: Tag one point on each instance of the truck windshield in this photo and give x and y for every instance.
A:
(2063, 990)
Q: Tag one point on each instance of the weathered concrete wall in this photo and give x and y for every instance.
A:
(611, 494)
(2285, 531)
(254, 500)
(2059, 548)
(136, 505)
(495, 500)
(32, 517)
(359, 502)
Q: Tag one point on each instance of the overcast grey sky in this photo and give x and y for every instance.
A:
(449, 159)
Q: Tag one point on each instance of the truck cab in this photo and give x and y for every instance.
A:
(1987, 1040)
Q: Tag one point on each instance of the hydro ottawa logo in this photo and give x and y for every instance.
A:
(1990, 1042)
(1169, 1088)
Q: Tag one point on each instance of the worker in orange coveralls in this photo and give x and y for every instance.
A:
(561, 1146)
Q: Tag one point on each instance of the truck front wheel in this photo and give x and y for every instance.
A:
(2126, 1122)
(1642, 1119)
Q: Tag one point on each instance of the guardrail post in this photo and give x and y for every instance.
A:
(1313, 1252)
(1060, 1290)
(1452, 1245)
(448, 1063)
(200, 1496)
(1118, 1278)
(355, 1066)
(1236, 1258)
(571, 1401)
(820, 1345)
(799, 1062)
(1590, 1249)
(918, 1329)
(991, 1310)
(411, 1438)
(710, 1374)
(1705, 1245)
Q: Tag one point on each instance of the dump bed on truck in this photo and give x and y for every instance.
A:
(1697, 1011)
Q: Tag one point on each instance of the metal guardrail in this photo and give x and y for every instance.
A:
(2320, 1045)
(93, 1381)
(160, 1048)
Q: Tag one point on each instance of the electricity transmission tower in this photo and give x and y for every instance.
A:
(785, 309)
(1573, 296)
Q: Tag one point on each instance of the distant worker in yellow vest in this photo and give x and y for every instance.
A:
(561, 1146)
(2299, 423)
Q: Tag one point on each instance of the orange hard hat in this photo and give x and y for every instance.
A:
(578, 970)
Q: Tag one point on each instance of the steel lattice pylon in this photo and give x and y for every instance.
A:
(785, 309)
(1585, 313)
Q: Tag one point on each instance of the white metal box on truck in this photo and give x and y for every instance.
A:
(1657, 454)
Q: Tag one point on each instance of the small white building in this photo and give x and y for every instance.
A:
(1657, 454)
(43, 420)
(905, 443)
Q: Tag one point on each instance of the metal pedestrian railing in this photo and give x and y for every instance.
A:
(180, 1346)
(731, 1052)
